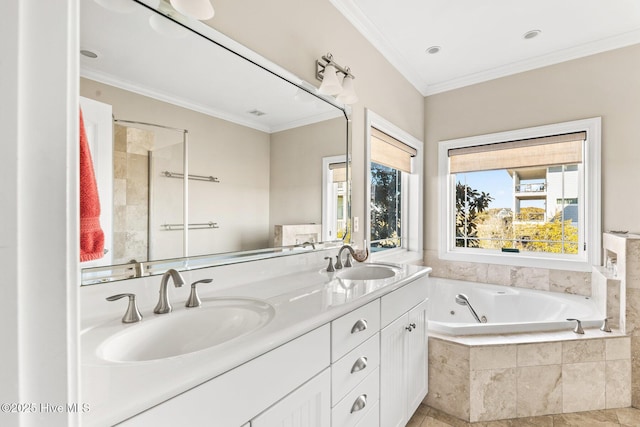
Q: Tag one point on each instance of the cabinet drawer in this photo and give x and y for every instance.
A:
(354, 328)
(400, 301)
(371, 418)
(347, 372)
(355, 406)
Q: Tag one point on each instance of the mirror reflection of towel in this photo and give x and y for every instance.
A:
(91, 234)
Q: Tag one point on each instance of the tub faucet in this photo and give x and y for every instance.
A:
(462, 299)
(605, 325)
(578, 329)
(163, 305)
(360, 257)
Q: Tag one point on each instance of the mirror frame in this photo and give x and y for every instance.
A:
(117, 272)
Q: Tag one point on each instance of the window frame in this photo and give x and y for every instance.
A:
(411, 248)
(590, 232)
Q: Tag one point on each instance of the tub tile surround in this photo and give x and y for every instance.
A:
(494, 377)
(544, 373)
(624, 251)
(571, 282)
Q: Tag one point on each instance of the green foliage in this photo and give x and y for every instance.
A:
(547, 237)
(385, 205)
(470, 205)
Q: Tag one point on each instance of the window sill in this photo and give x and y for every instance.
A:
(517, 260)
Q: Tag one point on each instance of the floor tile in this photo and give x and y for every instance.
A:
(426, 416)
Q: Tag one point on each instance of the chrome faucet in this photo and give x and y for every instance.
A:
(163, 305)
(360, 257)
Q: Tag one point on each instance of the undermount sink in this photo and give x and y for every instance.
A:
(368, 272)
(216, 322)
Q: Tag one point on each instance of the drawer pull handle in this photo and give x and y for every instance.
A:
(359, 404)
(360, 364)
(359, 326)
(411, 327)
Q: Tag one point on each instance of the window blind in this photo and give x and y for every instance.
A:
(535, 152)
(388, 151)
(339, 171)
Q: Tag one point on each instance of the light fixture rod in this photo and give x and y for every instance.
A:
(328, 58)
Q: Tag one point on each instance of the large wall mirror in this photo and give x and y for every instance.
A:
(204, 153)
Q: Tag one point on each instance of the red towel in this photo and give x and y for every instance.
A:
(91, 235)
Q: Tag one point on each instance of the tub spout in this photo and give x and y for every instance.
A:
(462, 299)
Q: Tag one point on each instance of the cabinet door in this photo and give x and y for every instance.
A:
(417, 357)
(393, 389)
(308, 406)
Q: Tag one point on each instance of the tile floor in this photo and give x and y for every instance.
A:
(426, 416)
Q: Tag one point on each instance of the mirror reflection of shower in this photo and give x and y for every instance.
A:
(462, 299)
(145, 198)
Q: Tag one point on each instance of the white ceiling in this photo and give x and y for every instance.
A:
(483, 39)
(142, 51)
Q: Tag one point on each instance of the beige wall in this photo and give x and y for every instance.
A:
(294, 33)
(605, 85)
(296, 171)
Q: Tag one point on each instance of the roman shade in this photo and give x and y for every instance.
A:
(565, 149)
(388, 151)
(339, 171)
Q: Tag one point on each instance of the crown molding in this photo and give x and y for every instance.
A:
(359, 20)
(588, 49)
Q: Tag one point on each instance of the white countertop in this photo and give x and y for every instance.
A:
(302, 301)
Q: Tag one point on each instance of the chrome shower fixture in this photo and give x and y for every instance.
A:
(462, 299)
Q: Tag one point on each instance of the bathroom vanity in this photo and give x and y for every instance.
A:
(331, 349)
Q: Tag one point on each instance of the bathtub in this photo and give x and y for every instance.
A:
(507, 309)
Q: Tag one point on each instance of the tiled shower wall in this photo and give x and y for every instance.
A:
(130, 193)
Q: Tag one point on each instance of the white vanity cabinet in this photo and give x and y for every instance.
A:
(308, 406)
(355, 356)
(237, 396)
(366, 368)
(403, 354)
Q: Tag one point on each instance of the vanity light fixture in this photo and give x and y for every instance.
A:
(336, 80)
(197, 9)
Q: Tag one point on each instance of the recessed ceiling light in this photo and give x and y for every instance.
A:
(531, 34)
(433, 50)
(88, 54)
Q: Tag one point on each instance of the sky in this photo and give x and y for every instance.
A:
(497, 183)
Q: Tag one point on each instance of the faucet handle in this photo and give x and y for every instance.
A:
(132, 314)
(605, 325)
(194, 299)
(330, 268)
(348, 261)
(578, 329)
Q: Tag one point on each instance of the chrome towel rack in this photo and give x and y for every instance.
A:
(194, 177)
(195, 226)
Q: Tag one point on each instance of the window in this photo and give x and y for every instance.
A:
(394, 196)
(334, 190)
(526, 197)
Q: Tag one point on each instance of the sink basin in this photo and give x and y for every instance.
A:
(368, 272)
(185, 331)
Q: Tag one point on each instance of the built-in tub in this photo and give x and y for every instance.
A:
(507, 309)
